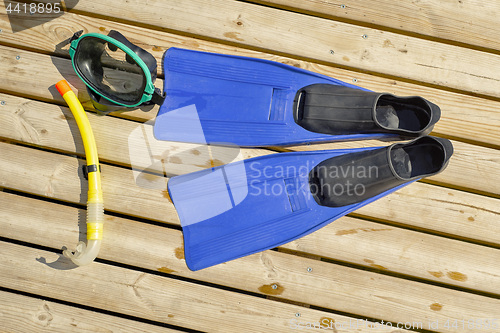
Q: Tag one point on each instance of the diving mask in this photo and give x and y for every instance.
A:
(118, 74)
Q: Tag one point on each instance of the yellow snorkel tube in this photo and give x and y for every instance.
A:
(86, 253)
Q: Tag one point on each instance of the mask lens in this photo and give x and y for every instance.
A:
(110, 71)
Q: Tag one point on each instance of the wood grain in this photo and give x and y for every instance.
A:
(58, 176)
(326, 285)
(435, 208)
(28, 314)
(465, 22)
(149, 296)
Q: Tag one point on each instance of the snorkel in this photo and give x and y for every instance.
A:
(86, 253)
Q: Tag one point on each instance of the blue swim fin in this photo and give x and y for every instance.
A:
(245, 207)
(252, 102)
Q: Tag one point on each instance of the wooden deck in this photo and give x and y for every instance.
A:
(426, 256)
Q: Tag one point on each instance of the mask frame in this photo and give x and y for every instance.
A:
(104, 102)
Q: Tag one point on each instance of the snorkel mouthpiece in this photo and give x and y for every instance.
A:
(86, 253)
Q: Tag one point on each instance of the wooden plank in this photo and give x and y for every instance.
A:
(28, 314)
(466, 117)
(57, 176)
(28, 73)
(296, 34)
(472, 167)
(444, 210)
(355, 241)
(325, 285)
(152, 297)
(435, 208)
(391, 249)
(467, 22)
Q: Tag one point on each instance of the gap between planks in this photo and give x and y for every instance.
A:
(457, 23)
(21, 313)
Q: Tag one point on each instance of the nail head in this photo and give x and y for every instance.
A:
(2, 102)
(309, 269)
(332, 51)
(18, 57)
(354, 80)
(342, 6)
(274, 286)
(365, 36)
(297, 314)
